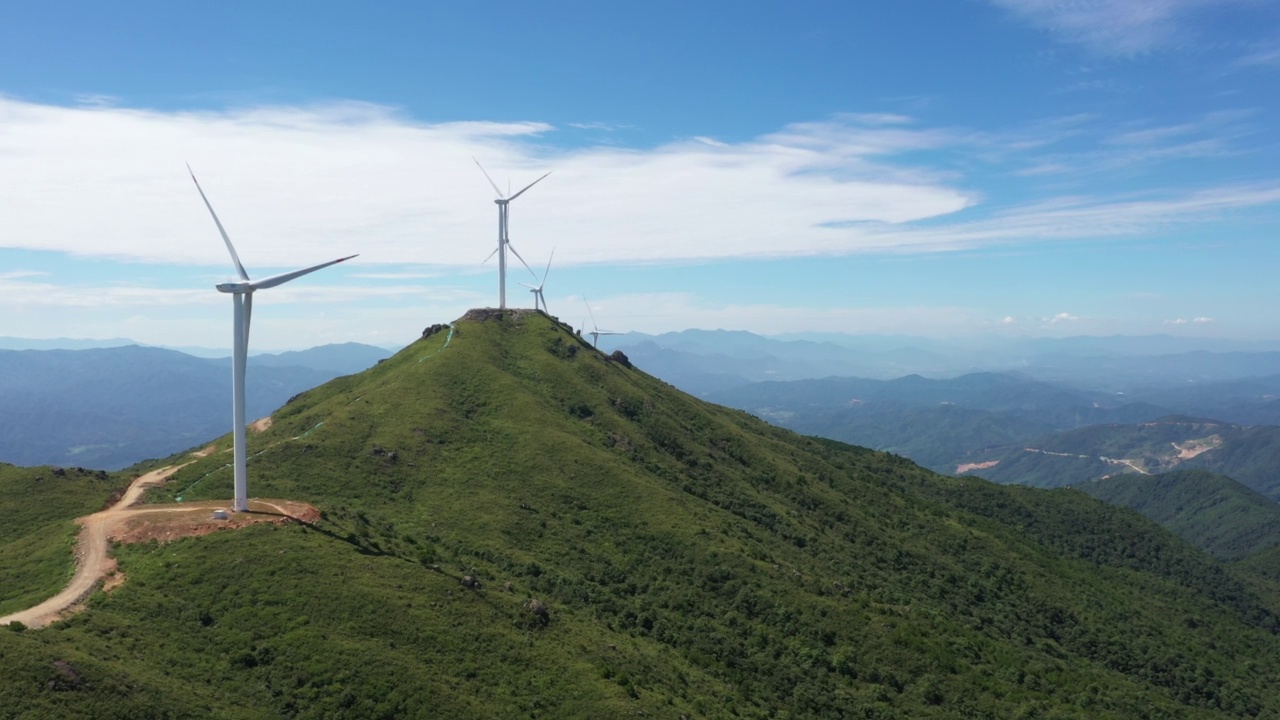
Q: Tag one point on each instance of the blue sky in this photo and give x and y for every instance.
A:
(958, 167)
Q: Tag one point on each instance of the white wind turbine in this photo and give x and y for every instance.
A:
(242, 300)
(504, 238)
(537, 291)
(596, 332)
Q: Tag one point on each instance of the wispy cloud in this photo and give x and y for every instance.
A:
(659, 312)
(1263, 57)
(1115, 27)
(1062, 317)
(17, 292)
(1193, 321)
(1082, 146)
(600, 126)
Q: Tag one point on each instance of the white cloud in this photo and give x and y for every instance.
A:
(1193, 321)
(1115, 27)
(1060, 318)
(1203, 320)
(294, 185)
(1176, 321)
(1009, 320)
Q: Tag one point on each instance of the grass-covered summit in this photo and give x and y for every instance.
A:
(517, 526)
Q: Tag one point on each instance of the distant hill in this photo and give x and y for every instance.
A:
(1249, 455)
(685, 559)
(112, 407)
(942, 424)
(1212, 512)
(338, 359)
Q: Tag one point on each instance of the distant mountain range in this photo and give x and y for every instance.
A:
(112, 407)
(704, 362)
(1014, 429)
(17, 343)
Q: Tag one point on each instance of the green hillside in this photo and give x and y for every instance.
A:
(37, 532)
(637, 551)
(1252, 457)
(1212, 512)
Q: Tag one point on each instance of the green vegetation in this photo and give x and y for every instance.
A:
(691, 559)
(1252, 457)
(1212, 512)
(38, 507)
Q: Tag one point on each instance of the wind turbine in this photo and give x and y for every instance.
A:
(242, 300)
(537, 291)
(596, 332)
(504, 238)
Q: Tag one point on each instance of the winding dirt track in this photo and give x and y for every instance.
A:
(92, 561)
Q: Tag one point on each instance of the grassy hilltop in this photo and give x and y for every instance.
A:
(636, 550)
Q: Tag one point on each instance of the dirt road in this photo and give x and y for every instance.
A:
(92, 561)
(96, 530)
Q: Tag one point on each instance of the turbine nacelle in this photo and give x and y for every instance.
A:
(235, 287)
(596, 332)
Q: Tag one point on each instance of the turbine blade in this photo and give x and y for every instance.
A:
(593, 315)
(531, 288)
(548, 270)
(234, 258)
(490, 257)
(512, 248)
(526, 187)
(275, 280)
(486, 177)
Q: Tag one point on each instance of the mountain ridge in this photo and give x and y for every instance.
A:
(685, 558)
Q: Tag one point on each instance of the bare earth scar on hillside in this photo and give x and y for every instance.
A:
(124, 523)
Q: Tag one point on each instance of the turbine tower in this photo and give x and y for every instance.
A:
(504, 237)
(537, 291)
(242, 300)
(596, 332)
